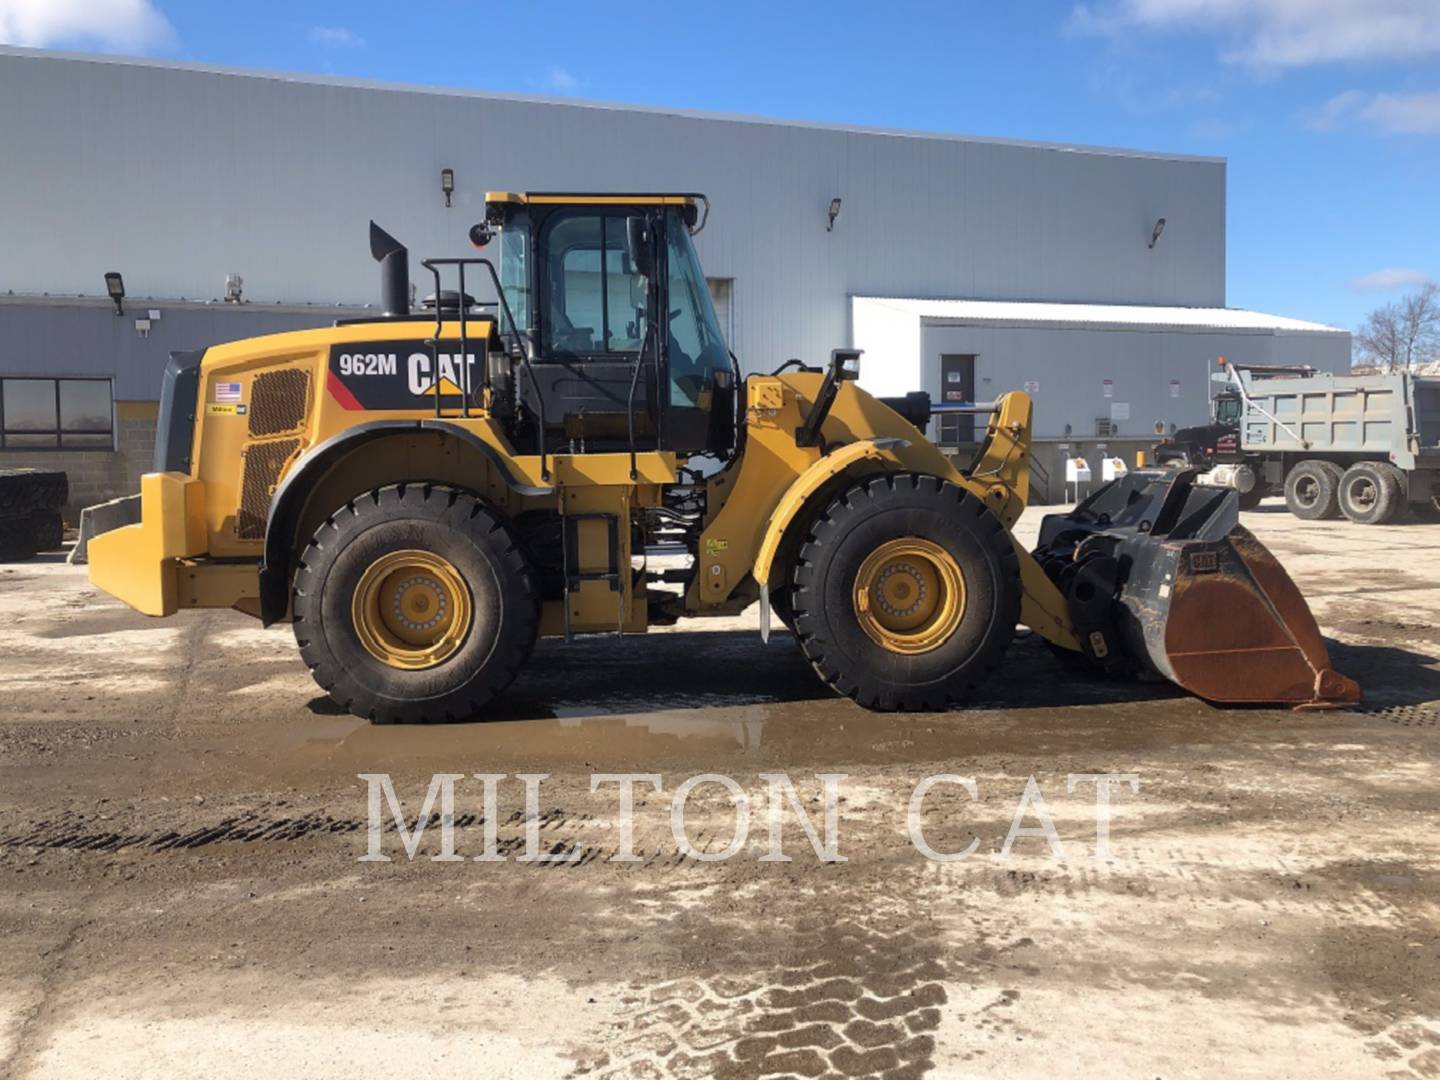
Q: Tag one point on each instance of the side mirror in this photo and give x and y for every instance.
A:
(639, 243)
(480, 234)
(845, 364)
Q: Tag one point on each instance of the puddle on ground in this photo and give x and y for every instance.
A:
(808, 736)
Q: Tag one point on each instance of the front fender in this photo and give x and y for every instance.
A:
(807, 484)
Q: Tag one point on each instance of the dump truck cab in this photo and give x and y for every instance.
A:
(1203, 444)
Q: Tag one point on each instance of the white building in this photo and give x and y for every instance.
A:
(178, 175)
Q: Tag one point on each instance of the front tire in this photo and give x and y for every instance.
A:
(414, 605)
(906, 593)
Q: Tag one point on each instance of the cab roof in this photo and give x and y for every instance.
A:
(598, 198)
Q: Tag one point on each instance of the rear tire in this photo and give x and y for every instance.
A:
(935, 530)
(1312, 490)
(372, 574)
(1372, 492)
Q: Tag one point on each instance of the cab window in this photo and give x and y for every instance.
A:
(594, 302)
(696, 347)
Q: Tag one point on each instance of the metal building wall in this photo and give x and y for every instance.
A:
(177, 175)
(78, 337)
(1160, 375)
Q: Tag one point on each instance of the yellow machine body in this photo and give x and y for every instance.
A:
(202, 536)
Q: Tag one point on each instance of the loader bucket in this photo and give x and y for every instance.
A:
(1160, 574)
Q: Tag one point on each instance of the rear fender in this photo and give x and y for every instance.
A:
(287, 507)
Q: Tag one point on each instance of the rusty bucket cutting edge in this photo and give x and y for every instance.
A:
(1192, 595)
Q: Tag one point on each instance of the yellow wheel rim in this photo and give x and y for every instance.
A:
(909, 595)
(411, 610)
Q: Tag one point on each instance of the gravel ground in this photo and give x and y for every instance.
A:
(182, 818)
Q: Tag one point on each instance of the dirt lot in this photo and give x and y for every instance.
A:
(181, 819)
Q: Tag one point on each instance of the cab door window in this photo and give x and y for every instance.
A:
(595, 302)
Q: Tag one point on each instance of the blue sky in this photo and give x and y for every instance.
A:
(1327, 110)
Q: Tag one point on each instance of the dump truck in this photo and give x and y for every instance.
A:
(1216, 443)
(422, 495)
(32, 504)
(1363, 446)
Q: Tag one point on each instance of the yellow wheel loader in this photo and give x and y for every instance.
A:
(423, 495)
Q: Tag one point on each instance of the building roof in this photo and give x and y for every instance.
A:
(1107, 316)
(693, 114)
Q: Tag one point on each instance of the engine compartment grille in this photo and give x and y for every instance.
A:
(263, 463)
(279, 401)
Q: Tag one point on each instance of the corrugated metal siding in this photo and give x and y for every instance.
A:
(1071, 366)
(90, 339)
(176, 177)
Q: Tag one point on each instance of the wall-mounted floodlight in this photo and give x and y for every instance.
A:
(447, 183)
(115, 287)
(834, 213)
(1155, 235)
(234, 288)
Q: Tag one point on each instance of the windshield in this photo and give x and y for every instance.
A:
(696, 346)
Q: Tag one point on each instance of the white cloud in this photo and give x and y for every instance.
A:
(1273, 35)
(1389, 114)
(1213, 130)
(122, 25)
(336, 37)
(562, 81)
(1391, 279)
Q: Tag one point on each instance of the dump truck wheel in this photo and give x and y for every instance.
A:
(906, 593)
(1371, 492)
(414, 605)
(1312, 490)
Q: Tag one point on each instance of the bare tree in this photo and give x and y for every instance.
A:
(1400, 336)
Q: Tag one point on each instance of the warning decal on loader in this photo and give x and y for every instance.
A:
(403, 374)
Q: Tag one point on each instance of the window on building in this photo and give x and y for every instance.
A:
(56, 414)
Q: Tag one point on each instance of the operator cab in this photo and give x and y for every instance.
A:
(615, 320)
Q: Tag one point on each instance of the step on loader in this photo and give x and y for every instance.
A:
(422, 495)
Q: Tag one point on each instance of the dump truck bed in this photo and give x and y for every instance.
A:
(1393, 416)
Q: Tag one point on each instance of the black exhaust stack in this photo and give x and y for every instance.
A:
(394, 263)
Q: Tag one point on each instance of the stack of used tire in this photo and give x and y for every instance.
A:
(32, 503)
